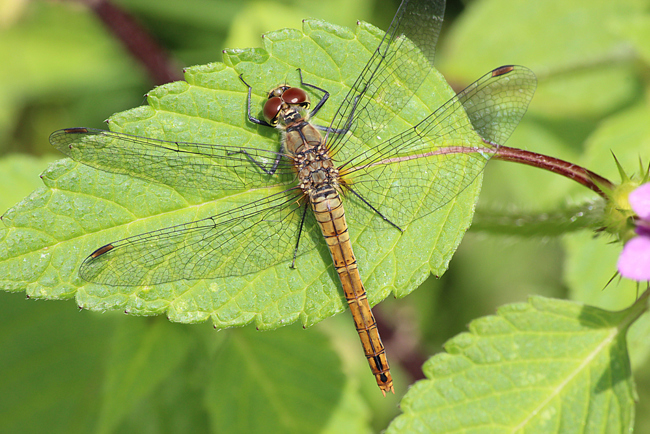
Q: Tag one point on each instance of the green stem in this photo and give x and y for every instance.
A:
(638, 308)
(531, 224)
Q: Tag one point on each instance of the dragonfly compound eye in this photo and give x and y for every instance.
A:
(296, 96)
(272, 109)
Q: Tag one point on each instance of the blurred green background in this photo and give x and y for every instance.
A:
(68, 371)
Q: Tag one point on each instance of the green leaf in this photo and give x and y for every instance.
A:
(589, 265)
(21, 172)
(575, 47)
(52, 363)
(538, 367)
(66, 371)
(626, 134)
(49, 235)
(263, 382)
(142, 356)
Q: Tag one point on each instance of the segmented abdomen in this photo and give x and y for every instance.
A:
(328, 209)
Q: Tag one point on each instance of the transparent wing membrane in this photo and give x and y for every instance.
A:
(236, 242)
(393, 74)
(423, 168)
(194, 166)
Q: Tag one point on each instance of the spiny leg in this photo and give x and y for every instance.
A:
(270, 171)
(372, 207)
(322, 101)
(250, 116)
(254, 120)
(319, 105)
(302, 222)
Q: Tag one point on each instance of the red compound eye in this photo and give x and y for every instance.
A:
(272, 109)
(297, 96)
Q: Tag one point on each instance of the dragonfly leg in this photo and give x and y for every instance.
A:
(348, 124)
(354, 109)
(322, 101)
(318, 106)
(270, 171)
(302, 222)
(250, 116)
(372, 207)
(330, 130)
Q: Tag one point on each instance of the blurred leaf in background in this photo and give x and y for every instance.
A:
(591, 59)
(591, 100)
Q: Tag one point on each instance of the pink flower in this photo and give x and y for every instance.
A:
(634, 262)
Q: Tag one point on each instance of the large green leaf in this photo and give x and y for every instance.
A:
(51, 366)
(539, 367)
(254, 387)
(142, 357)
(21, 172)
(50, 233)
(65, 371)
(574, 46)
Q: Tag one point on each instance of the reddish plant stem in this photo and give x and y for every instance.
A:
(137, 41)
(572, 171)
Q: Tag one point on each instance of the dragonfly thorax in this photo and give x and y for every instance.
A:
(316, 169)
(287, 108)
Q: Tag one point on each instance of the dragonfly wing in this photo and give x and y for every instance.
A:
(240, 241)
(193, 166)
(425, 167)
(394, 72)
(496, 102)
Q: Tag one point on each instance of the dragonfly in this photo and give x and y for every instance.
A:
(326, 171)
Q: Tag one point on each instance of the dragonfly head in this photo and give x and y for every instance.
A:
(284, 98)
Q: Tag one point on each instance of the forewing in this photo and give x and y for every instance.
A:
(237, 242)
(192, 166)
(393, 74)
(424, 167)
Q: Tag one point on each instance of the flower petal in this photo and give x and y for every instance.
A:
(640, 201)
(634, 262)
